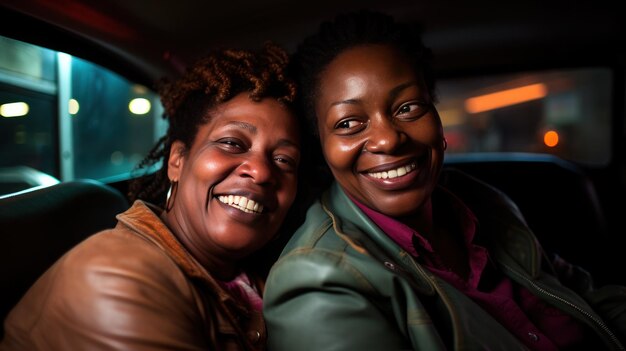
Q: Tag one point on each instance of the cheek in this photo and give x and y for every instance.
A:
(210, 168)
(433, 130)
(288, 193)
(428, 134)
(341, 154)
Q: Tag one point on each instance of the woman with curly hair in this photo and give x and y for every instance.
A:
(174, 274)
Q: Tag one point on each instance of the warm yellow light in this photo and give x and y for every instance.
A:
(551, 138)
(14, 109)
(139, 106)
(451, 117)
(505, 98)
(73, 106)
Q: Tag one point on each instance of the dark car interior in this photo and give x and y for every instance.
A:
(575, 209)
(44, 223)
(546, 186)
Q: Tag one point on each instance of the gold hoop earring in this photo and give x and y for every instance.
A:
(171, 195)
(445, 144)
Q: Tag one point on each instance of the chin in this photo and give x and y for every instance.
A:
(399, 213)
(402, 205)
(241, 248)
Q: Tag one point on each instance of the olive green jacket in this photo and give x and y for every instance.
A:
(343, 284)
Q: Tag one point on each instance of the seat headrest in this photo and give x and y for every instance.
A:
(556, 197)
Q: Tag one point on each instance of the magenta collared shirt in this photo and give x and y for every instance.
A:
(538, 325)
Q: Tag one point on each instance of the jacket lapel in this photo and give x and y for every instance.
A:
(366, 237)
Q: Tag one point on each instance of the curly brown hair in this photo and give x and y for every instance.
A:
(213, 79)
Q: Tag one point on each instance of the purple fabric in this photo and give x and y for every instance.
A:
(243, 289)
(535, 323)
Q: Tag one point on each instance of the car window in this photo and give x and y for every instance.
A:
(562, 112)
(69, 118)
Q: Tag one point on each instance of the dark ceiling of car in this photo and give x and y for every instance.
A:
(159, 37)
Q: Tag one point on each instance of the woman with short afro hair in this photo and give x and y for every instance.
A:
(398, 253)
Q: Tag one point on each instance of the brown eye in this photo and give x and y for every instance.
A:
(286, 163)
(232, 145)
(412, 110)
(405, 109)
(349, 124)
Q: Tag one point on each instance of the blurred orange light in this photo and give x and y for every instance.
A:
(505, 98)
(551, 138)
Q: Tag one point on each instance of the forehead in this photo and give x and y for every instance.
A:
(373, 68)
(370, 58)
(367, 73)
(264, 117)
(263, 112)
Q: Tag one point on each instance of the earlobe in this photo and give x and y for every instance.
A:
(175, 161)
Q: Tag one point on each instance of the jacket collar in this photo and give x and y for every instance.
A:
(142, 218)
(501, 227)
(366, 237)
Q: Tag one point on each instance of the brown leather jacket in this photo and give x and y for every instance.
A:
(133, 287)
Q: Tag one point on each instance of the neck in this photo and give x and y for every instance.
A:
(222, 269)
(421, 221)
(446, 242)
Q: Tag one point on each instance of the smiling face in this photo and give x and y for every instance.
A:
(236, 182)
(381, 136)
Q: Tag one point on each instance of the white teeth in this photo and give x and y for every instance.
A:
(250, 205)
(241, 203)
(394, 173)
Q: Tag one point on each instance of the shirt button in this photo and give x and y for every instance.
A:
(254, 336)
(533, 336)
(390, 265)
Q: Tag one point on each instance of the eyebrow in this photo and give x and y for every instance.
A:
(253, 129)
(243, 125)
(393, 93)
(349, 101)
(396, 91)
(287, 142)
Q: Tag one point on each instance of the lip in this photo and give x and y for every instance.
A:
(269, 202)
(242, 203)
(254, 219)
(393, 165)
(397, 183)
(239, 215)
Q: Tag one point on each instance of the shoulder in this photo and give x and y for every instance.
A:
(316, 231)
(113, 285)
(112, 262)
(102, 276)
(317, 254)
(113, 253)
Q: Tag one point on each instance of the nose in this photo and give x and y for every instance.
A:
(259, 168)
(384, 136)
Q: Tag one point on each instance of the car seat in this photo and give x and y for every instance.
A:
(38, 226)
